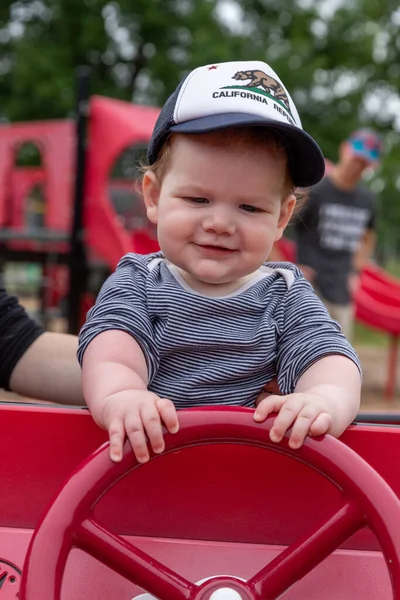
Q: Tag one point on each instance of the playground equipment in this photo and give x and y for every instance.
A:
(79, 227)
(377, 304)
(222, 502)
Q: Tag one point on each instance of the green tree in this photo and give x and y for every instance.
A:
(138, 52)
(340, 65)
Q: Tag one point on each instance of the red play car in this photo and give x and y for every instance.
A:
(222, 514)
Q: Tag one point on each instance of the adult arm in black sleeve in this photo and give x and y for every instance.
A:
(17, 333)
(36, 363)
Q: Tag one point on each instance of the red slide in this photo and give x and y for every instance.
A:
(114, 126)
(377, 305)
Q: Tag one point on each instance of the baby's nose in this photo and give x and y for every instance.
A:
(220, 222)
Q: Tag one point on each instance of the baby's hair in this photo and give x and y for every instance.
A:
(238, 137)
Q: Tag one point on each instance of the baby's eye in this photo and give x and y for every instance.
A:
(250, 208)
(197, 200)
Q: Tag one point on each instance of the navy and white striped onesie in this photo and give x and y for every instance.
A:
(204, 350)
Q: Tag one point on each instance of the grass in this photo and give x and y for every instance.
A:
(393, 267)
(366, 336)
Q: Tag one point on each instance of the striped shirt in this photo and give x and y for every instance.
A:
(203, 350)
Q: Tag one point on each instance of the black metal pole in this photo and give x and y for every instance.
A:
(78, 267)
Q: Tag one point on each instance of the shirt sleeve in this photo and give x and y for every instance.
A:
(17, 333)
(121, 305)
(308, 334)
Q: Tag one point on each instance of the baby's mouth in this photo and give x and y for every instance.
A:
(212, 248)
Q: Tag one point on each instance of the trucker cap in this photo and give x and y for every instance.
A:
(239, 94)
(366, 143)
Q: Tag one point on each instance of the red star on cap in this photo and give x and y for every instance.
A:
(213, 67)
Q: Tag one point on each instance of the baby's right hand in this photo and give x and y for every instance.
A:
(137, 413)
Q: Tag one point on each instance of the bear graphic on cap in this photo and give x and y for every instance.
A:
(268, 83)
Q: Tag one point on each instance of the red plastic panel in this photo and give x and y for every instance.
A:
(47, 444)
(34, 471)
(346, 575)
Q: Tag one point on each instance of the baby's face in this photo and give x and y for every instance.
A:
(218, 209)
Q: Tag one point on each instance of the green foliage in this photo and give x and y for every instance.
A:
(367, 336)
(342, 67)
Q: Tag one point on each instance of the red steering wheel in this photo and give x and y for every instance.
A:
(367, 499)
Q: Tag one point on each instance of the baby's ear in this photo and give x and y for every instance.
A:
(151, 195)
(287, 208)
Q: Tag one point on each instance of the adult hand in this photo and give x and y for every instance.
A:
(139, 415)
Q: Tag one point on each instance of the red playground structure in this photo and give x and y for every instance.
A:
(89, 217)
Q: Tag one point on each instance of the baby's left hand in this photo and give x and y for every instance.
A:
(307, 414)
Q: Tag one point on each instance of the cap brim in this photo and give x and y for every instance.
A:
(306, 161)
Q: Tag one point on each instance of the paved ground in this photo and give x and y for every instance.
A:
(375, 365)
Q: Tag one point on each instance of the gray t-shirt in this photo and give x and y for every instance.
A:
(203, 350)
(329, 231)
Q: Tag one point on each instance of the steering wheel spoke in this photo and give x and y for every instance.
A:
(131, 562)
(305, 554)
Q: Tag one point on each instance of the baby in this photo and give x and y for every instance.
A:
(206, 321)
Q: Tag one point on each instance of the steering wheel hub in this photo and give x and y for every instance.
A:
(225, 594)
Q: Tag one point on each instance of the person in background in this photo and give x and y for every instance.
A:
(335, 232)
(34, 362)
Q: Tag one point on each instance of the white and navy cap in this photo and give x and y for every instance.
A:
(239, 94)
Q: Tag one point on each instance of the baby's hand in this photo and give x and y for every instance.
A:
(137, 414)
(309, 414)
